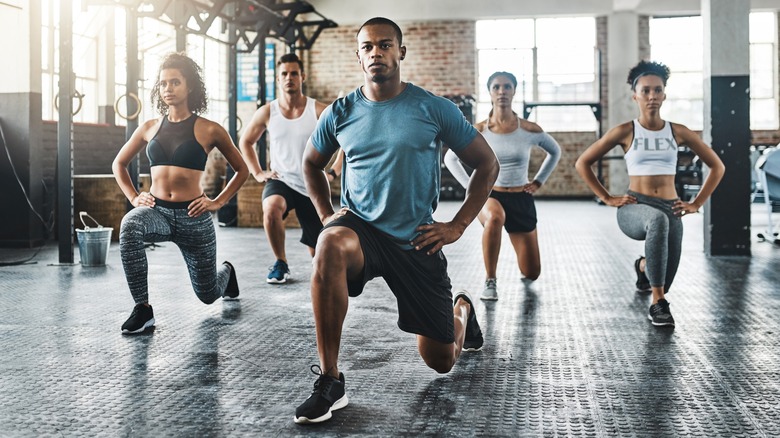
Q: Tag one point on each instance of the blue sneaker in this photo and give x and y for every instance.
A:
(279, 273)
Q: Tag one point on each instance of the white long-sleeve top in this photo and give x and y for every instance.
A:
(513, 151)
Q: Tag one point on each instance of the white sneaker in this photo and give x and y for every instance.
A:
(489, 293)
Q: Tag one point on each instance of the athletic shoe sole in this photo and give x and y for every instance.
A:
(146, 325)
(471, 349)
(340, 403)
(660, 324)
(488, 298)
(276, 280)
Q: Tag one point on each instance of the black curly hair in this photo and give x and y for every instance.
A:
(197, 101)
(645, 68)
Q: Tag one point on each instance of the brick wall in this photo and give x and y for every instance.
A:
(766, 137)
(564, 181)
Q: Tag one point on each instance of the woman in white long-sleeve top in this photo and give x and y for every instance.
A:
(511, 202)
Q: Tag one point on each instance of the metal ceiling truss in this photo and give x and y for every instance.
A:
(296, 23)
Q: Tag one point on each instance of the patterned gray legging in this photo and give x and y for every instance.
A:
(195, 237)
(652, 220)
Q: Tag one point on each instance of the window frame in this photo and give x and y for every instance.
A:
(531, 85)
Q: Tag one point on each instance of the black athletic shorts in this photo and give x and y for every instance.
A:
(419, 281)
(304, 209)
(519, 209)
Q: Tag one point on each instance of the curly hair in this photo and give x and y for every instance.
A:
(505, 74)
(645, 68)
(197, 101)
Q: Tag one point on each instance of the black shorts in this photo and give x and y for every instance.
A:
(304, 209)
(519, 209)
(419, 281)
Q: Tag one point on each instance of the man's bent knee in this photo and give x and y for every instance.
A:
(438, 356)
(441, 365)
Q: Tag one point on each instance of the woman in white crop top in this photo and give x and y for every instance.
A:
(651, 210)
(511, 203)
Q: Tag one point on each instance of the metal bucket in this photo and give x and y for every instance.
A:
(93, 242)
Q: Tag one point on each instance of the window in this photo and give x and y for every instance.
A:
(763, 71)
(550, 66)
(84, 62)
(678, 42)
(155, 40)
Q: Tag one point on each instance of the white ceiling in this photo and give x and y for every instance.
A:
(345, 12)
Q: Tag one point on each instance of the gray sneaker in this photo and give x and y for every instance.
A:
(489, 293)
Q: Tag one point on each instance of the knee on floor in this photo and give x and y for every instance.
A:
(440, 365)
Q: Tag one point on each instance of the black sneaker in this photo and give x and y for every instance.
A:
(231, 291)
(474, 339)
(141, 319)
(642, 282)
(328, 396)
(660, 315)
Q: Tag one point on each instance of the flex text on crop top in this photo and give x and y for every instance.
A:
(652, 152)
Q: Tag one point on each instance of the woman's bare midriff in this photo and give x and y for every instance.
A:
(508, 189)
(657, 186)
(175, 184)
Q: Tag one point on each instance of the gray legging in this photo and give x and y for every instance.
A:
(195, 237)
(652, 220)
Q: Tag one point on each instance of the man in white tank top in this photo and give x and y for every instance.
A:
(290, 120)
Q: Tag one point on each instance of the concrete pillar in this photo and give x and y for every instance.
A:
(727, 123)
(622, 54)
(20, 118)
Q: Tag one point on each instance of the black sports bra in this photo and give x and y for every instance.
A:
(175, 145)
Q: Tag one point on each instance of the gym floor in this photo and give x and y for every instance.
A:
(572, 354)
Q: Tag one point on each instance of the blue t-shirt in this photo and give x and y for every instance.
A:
(392, 155)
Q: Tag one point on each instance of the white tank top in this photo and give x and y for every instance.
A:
(288, 139)
(652, 152)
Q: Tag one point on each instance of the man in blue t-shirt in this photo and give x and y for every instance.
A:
(391, 133)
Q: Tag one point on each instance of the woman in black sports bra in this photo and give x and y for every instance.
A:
(175, 208)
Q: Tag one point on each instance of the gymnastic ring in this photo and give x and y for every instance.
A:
(138, 106)
(77, 95)
(238, 119)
